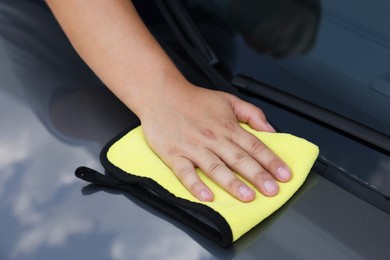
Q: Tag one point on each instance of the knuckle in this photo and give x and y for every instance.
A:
(259, 177)
(195, 187)
(208, 133)
(182, 170)
(174, 150)
(233, 184)
(257, 147)
(193, 140)
(215, 167)
(260, 113)
(182, 173)
(274, 163)
(241, 157)
(230, 126)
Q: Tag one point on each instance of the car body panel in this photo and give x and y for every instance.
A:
(46, 212)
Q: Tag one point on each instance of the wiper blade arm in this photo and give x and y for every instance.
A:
(350, 127)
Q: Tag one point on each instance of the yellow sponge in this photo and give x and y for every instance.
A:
(132, 155)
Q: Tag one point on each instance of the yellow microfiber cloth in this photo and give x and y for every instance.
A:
(129, 159)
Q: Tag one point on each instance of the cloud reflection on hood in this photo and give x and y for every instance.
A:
(50, 214)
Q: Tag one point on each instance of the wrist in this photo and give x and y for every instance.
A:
(158, 93)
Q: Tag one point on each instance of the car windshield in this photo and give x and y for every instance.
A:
(335, 54)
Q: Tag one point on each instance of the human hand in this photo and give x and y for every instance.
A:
(198, 127)
(185, 125)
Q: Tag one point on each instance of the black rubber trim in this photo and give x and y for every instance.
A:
(192, 32)
(152, 193)
(180, 23)
(352, 184)
(362, 133)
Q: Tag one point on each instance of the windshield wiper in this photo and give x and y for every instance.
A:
(357, 131)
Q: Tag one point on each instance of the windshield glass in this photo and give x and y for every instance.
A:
(332, 53)
(335, 54)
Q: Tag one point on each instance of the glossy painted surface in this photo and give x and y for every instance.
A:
(49, 127)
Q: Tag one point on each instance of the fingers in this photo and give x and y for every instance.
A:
(263, 155)
(250, 114)
(185, 172)
(250, 169)
(244, 154)
(217, 171)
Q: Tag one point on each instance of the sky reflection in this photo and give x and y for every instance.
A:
(42, 199)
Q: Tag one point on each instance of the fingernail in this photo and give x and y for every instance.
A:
(270, 186)
(270, 127)
(283, 173)
(205, 195)
(245, 191)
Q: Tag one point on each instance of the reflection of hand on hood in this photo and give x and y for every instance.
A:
(276, 27)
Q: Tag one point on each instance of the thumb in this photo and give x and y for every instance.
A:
(250, 114)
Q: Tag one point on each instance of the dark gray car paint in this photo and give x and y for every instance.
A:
(47, 213)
